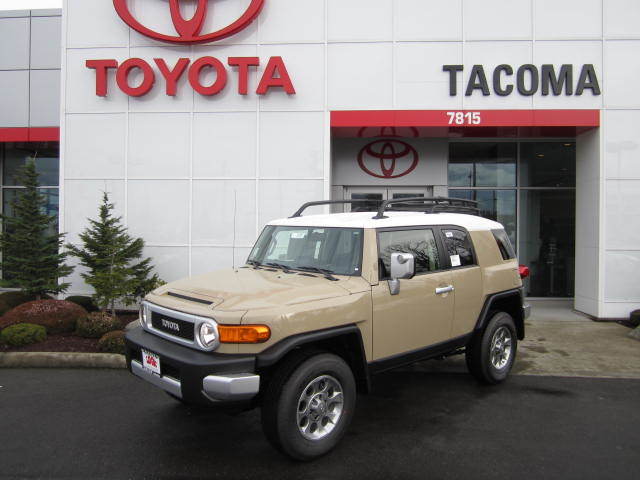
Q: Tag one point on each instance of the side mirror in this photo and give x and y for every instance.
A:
(402, 266)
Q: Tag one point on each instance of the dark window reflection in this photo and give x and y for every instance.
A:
(370, 206)
(548, 164)
(421, 243)
(482, 164)
(458, 247)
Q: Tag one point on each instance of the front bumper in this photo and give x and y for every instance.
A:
(194, 376)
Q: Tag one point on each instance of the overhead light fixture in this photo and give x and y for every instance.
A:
(568, 144)
(540, 155)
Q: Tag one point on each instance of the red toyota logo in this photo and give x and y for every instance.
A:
(189, 30)
(387, 152)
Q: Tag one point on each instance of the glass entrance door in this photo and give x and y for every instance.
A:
(375, 195)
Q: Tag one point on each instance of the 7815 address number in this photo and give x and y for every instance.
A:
(464, 118)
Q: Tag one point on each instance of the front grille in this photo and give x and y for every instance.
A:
(172, 326)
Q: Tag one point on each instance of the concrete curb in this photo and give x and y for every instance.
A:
(61, 360)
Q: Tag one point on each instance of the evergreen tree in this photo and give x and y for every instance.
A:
(112, 257)
(31, 247)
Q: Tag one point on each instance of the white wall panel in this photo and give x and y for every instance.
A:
(305, 65)
(209, 259)
(95, 23)
(577, 54)
(497, 20)
(292, 21)
(420, 81)
(224, 144)
(228, 99)
(622, 277)
(622, 207)
(622, 144)
(291, 144)
(82, 199)
(14, 98)
(158, 210)
(44, 102)
(14, 38)
(159, 145)
(280, 198)
(224, 212)
(95, 146)
(568, 19)
(359, 20)
(621, 18)
(80, 82)
(46, 33)
(170, 263)
(428, 20)
(623, 64)
(490, 55)
(360, 76)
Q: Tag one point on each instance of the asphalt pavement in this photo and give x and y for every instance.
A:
(89, 424)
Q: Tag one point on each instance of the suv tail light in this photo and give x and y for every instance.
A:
(524, 271)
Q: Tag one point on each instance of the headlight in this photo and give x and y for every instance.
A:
(207, 335)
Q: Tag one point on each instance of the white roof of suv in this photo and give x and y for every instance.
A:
(393, 219)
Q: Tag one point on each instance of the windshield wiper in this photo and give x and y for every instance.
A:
(256, 264)
(284, 268)
(327, 273)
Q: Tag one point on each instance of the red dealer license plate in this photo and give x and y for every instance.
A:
(151, 361)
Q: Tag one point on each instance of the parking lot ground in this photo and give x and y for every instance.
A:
(416, 424)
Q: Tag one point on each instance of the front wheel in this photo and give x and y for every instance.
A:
(492, 352)
(309, 405)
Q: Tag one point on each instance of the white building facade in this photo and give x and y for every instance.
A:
(205, 122)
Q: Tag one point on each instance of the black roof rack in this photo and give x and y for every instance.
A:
(430, 205)
(330, 202)
(422, 204)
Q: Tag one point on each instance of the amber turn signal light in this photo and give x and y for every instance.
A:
(243, 333)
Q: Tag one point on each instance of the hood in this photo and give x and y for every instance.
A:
(248, 288)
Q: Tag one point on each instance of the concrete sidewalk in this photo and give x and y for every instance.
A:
(560, 342)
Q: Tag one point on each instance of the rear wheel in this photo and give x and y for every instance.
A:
(308, 405)
(491, 354)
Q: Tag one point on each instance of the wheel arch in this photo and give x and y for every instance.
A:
(509, 301)
(344, 341)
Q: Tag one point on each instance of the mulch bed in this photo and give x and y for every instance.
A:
(68, 342)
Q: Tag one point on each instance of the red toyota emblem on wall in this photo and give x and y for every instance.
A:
(189, 31)
(385, 155)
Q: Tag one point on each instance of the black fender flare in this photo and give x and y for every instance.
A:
(351, 333)
(484, 318)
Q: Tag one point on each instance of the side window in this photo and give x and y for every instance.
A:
(458, 246)
(421, 243)
(504, 244)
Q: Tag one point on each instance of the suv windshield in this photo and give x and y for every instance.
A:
(334, 250)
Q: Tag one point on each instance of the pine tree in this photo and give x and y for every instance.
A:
(31, 252)
(112, 257)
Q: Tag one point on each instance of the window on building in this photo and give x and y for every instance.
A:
(419, 242)
(46, 155)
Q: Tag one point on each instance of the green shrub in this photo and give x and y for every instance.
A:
(23, 334)
(112, 342)
(96, 324)
(56, 316)
(85, 301)
(9, 300)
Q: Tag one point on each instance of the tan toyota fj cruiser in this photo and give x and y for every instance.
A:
(326, 301)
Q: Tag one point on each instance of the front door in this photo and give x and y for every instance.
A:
(422, 313)
(378, 194)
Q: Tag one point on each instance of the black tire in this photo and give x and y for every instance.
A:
(281, 402)
(478, 352)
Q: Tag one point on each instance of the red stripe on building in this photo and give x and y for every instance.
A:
(466, 118)
(33, 134)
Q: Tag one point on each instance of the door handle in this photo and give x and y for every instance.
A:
(447, 289)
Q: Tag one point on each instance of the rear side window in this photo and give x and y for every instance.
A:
(458, 247)
(504, 244)
(421, 243)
